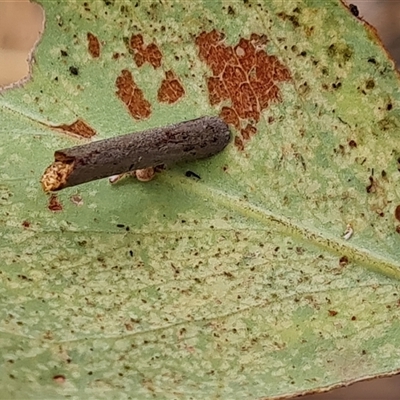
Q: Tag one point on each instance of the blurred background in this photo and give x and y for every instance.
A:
(20, 25)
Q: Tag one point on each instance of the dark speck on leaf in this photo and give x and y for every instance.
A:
(370, 84)
(352, 143)
(371, 187)
(191, 174)
(74, 70)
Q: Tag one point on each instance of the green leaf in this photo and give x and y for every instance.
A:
(238, 285)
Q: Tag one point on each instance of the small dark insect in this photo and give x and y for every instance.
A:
(354, 10)
(74, 70)
(191, 174)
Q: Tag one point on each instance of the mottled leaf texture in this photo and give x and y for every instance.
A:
(274, 274)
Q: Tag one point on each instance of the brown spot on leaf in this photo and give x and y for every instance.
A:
(128, 327)
(343, 261)
(60, 379)
(79, 128)
(142, 53)
(248, 132)
(370, 84)
(171, 90)
(352, 143)
(239, 143)
(291, 18)
(398, 229)
(371, 188)
(332, 313)
(93, 45)
(132, 96)
(26, 224)
(243, 75)
(397, 213)
(76, 199)
(54, 204)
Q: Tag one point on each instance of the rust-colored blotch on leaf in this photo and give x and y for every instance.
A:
(93, 45)
(79, 128)
(171, 90)
(141, 53)
(245, 75)
(132, 96)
